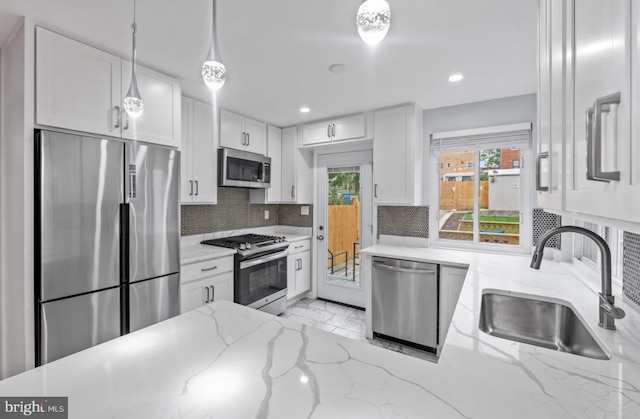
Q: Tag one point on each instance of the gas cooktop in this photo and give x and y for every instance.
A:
(248, 244)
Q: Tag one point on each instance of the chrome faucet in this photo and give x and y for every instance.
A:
(608, 311)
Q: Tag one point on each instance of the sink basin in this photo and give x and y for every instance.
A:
(537, 321)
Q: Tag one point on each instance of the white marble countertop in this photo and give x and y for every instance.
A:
(228, 361)
(489, 377)
(191, 251)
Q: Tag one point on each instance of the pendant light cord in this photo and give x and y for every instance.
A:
(134, 27)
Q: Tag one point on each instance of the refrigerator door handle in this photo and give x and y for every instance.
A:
(124, 268)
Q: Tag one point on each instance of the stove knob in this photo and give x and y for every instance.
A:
(242, 247)
(248, 246)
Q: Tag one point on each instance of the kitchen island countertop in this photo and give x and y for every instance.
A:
(228, 361)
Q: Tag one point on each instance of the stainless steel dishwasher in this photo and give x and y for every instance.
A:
(405, 301)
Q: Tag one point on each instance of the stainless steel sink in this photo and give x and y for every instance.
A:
(536, 321)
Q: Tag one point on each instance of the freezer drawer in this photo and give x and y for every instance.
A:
(405, 300)
(153, 301)
(72, 324)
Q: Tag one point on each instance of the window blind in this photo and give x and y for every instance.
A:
(482, 138)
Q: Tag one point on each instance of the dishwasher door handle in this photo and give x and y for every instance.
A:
(408, 270)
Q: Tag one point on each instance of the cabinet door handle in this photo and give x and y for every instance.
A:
(248, 139)
(333, 130)
(375, 190)
(213, 293)
(207, 300)
(117, 117)
(243, 137)
(539, 157)
(126, 121)
(197, 188)
(329, 130)
(594, 159)
(209, 269)
(191, 192)
(293, 191)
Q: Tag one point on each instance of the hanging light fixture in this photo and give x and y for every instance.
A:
(214, 72)
(133, 104)
(374, 17)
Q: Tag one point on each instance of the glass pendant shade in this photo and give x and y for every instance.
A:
(133, 104)
(214, 73)
(373, 20)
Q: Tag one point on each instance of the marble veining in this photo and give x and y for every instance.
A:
(227, 361)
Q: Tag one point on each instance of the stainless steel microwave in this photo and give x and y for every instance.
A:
(243, 169)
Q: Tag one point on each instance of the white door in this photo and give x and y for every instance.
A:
(77, 86)
(205, 162)
(344, 224)
(160, 120)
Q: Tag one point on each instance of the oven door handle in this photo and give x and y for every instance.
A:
(254, 262)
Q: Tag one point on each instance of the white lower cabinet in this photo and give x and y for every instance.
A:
(205, 282)
(451, 282)
(299, 268)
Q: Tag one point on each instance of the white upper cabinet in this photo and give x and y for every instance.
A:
(272, 194)
(397, 156)
(242, 133)
(604, 150)
(352, 127)
(199, 154)
(552, 124)
(159, 123)
(297, 170)
(589, 144)
(79, 87)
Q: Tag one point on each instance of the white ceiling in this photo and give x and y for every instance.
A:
(277, 52)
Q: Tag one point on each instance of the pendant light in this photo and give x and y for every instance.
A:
(133, 104)
(214, 72)
(374, 17)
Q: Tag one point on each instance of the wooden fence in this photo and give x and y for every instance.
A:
(459, 195)
(343, 229)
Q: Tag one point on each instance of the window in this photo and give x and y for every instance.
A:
(514, 147)
(482, 205)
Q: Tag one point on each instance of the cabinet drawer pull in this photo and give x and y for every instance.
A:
(209, 269)
(539, 157)
(299, 247)
(594, 145)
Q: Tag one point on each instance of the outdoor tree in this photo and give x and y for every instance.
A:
(490, 159)
(340, 183)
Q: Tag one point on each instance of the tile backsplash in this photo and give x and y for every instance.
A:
(403, 221)
(542, 222)
(234, 212)
(631, 266)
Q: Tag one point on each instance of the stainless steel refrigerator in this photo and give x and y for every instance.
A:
(107, 240)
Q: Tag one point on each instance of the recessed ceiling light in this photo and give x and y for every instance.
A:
(455, 77)
(338, 68)
(304, 109)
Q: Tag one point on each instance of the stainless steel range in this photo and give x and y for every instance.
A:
(260, 275)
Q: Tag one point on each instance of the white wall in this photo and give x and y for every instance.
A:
(16, 189)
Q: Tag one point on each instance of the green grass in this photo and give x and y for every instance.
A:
(494, 218)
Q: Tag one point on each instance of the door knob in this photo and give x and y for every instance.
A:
(320, 237)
